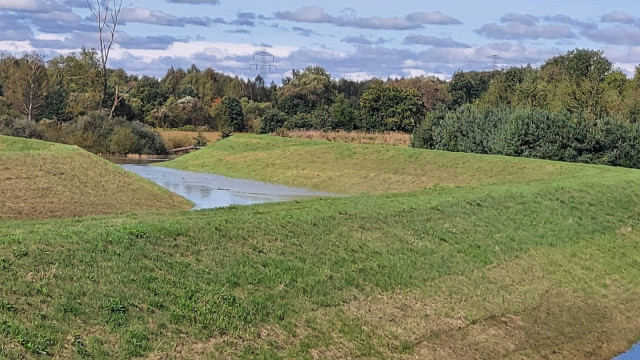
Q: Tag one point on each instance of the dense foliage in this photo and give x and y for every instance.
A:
(574, 107)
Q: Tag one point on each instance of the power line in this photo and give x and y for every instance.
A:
(494, 63)
(264, 60)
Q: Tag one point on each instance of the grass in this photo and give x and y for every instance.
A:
(45, 180)
(544, 265)
(356, 169)
(356, 137)
(177, 139)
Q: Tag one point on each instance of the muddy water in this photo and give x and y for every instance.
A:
(633, 354)
(209, 191)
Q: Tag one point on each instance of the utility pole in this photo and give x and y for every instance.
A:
(264, 61)
(494, 63)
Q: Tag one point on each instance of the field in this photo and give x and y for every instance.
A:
(177, 139)
(355, 169)
(501, 258)
(45, 180)
(356, 137)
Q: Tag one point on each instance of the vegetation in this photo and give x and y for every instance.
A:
(357, 137)
(45, 180)
(521, 259)
(353, 169)
(589, 107)
(183, 138)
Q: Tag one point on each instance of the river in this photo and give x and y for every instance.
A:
(209, 191)
(633, 354)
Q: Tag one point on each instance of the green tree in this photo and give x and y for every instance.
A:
(466, 87)
(387, 108)
(26, 85)
(79, 75)
(306, 90)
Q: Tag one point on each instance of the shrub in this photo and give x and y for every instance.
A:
(272, 120)
(123, 141)
(531, 132)
(20, 128)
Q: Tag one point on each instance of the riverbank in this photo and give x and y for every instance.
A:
(516, 259)
(531, 271)
(40, 179)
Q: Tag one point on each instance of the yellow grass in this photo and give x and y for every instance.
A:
(177, 139)
(44, 180)
(356, 137)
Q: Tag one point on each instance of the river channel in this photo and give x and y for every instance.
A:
(209, 191)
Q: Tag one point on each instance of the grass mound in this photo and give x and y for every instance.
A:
(355, 168)
(46, 180)
(517, 264)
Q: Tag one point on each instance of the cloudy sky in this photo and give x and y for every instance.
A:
(358, 39)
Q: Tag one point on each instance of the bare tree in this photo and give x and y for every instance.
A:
(27, 84)
(106, 13)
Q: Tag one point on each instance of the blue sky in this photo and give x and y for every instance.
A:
(354, 39)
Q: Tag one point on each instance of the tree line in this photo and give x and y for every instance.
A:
(63, 99)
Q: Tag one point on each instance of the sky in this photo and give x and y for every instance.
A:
(355, 39)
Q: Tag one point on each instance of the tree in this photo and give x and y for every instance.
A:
(27, 84)
(388, 108)
(229, 116)
(466, 87)
(106, 13)
(78, 74)
(306, 90)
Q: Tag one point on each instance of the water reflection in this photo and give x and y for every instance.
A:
(208, 191)
(119, 159)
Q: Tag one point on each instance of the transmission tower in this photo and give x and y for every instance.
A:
(264, 60)
(494, 63)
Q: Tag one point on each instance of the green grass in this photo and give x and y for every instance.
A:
(45, 180)
(533, 267)
(356, 169)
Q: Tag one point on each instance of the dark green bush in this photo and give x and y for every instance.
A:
(533, 133)
(272, 120)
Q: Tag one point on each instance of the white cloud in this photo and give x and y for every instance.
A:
(55, 37)
(358, 76)
(16, 46)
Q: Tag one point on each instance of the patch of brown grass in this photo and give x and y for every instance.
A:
(177, 139)
(64, 181)
(357, 137)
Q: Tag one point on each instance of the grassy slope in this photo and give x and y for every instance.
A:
(355, 169)
(546, 268)
(46, 180)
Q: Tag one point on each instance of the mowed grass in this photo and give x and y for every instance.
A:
(525, 271)
(515, 264)
(356, 169)
(46, 180)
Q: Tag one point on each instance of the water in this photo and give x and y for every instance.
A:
(633, 354)
(135, 160)
(209, 191)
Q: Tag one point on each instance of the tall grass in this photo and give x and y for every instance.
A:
(356, 137)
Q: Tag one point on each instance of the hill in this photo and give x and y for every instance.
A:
(524, 259)
(46, 180)
(356, 168)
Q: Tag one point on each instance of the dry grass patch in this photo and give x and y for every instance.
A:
(53, 181)
(177, 139)
(356, 137)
